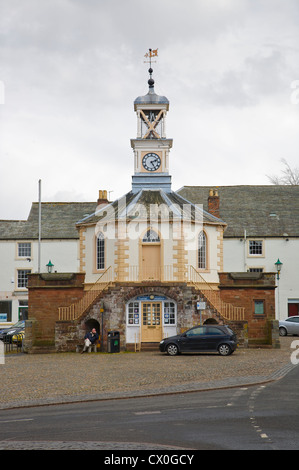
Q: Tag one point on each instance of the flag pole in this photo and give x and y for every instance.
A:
(39, 223)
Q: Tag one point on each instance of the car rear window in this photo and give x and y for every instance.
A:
(214, 331)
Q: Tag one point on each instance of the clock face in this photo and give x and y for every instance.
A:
(151, 161)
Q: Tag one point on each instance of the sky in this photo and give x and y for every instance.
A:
(70, 71)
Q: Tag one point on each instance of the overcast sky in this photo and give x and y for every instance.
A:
(71, 69)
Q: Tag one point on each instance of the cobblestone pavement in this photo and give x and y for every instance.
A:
(28, 380)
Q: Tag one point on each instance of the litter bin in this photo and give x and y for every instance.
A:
(113, 342)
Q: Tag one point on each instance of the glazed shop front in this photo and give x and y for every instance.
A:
(149, 318)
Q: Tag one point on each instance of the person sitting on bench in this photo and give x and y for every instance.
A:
(89, 339)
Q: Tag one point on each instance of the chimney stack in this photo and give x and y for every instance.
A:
(214, 203)
(102, 198)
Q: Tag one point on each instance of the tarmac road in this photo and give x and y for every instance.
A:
(258, 417)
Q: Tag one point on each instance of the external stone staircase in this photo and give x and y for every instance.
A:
(218, 309)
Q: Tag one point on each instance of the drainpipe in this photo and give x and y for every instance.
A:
(245, 252)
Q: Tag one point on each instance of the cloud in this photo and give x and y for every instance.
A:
(71, 70)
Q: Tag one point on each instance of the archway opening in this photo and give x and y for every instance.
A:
(92, 323)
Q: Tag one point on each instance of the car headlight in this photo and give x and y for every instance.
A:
(161, 342)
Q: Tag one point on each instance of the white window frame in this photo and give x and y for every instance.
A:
(27, 255)
(100, 256)
(23, 287)
(256, 255)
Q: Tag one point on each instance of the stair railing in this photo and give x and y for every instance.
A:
(212, 294)
(75, 310)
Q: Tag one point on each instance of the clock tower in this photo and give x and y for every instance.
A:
(151, 147)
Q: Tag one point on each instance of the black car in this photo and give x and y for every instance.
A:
(6, 334)
(206, 338)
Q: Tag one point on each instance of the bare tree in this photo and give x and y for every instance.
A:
(289, 175)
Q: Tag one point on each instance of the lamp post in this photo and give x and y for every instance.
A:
(50, 266)
(278, 265)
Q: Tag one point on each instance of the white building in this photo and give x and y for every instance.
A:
(19, 251)
(262, 228)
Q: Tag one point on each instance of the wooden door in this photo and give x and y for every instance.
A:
(293, 309)
(151, 262)
(151, 331)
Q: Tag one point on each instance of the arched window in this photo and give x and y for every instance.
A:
(202, 250)
(100, 251)
(151, 237)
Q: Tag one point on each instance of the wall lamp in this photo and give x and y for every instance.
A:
(278, 265)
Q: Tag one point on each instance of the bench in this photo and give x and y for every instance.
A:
(92, 347)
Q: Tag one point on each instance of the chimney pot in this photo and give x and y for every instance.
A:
(214, 203)
(102, 198)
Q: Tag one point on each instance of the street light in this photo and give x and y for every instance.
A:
(50, 266)
(278, 265)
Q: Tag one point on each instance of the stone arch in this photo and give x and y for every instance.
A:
(169, 292)
(211, 321)
(92, 323)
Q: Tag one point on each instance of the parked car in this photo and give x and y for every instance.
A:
(290, 326)
(206, 338)
(6, 334)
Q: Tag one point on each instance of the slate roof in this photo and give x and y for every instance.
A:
(140, 205)
(58, 221)
(263, 211)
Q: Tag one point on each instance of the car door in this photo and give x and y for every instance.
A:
(194, 339)
(293, 325)
(214, 337)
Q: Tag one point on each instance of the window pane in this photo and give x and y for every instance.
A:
(23, 277)
(259, 307)
(5, 310)
(214, 331)
(100, 251)
(24, 249)
(255, 247)
(151, 237)
(202, 250)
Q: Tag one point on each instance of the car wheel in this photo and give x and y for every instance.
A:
(224, 350)
(283, 331)
(172, 350)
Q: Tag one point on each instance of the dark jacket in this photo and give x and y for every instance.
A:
(93, 337)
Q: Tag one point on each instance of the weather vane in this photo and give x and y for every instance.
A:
(151, 53)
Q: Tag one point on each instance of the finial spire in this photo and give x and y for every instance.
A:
(151, 53)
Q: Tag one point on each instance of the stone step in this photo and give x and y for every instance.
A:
(150, 347)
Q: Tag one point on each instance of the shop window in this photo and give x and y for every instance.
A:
(169, 313)
(5, 310)
(133, 313)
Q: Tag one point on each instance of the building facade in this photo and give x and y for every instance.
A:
(146, 265)
(21, 254)
(262, 228)
(152, 242)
